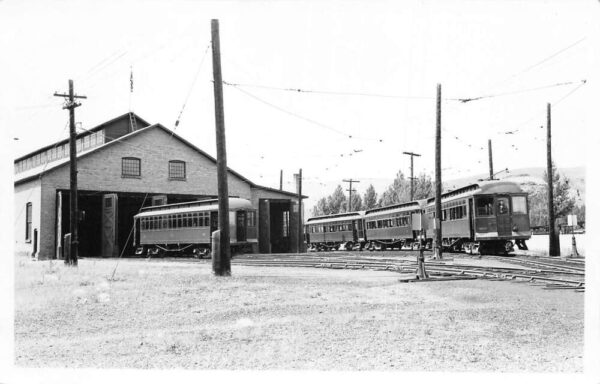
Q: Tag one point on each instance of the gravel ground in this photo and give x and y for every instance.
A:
(172, 314)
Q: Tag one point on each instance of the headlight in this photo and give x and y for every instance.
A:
(515, 228)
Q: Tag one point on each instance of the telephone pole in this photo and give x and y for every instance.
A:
(221, 258)
(71, 104)
(412, 179)
(281, 179)
(554, 240)
(437, 243)
(350, 190)
(491, 160)
(300, 229)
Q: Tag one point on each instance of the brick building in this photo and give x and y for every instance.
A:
(124, 164)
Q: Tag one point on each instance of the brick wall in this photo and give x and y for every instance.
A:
(24, 193)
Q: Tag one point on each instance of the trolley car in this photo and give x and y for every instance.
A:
(480, 218)
(394, 226)
(484, 217)
(339, 231)
(186, 228)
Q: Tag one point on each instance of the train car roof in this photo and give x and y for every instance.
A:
(482, 188)
(235, 203)
(334, 218)
(395, 208)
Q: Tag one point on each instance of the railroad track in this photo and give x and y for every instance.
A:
(551, 275)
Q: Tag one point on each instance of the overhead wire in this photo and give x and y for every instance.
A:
(296, 115)
(191, 87)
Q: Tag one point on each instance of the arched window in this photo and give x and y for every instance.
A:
(177, 170)
(131, 167)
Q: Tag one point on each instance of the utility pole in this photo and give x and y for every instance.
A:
(554, 240)
(300, 229)
(221, 258)
(350, 190)
(437, 241)
(281, 180)
(491, 160)
(71, 104)
(412, 179)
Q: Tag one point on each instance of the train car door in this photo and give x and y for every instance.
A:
(240, 222)
(503, 221)
(110, 248)
(471, 220)
(354, 231)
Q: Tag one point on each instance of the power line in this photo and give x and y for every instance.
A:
(191, 86)
(314, 122)
(337, 93)
(466, 100)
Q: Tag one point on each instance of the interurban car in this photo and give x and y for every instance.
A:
(487, 217)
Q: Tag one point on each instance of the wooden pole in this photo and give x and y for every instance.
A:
(490, 159)
(412, 178)
(350, 192)
(73, 221)
(300, 229)
(554, 241)
(221, 262)
(281, 180)
(437, 246)
(71, 104)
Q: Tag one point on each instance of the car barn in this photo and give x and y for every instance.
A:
(123, 165)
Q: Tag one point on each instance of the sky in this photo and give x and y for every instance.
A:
(368, 72)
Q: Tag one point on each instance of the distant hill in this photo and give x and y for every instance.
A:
(525, 176)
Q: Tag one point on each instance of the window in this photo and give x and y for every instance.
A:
(177, 169)
(484, 206)
(28, 218)
(502, 205)
(286, 223)
(131, 167)
(251, 219)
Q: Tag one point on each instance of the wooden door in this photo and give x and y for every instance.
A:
(503, 221)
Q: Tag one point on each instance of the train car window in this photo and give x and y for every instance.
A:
(502, 205)
(251, 218)
(179, 221)
(519, 204)
(484, 206)
(195, 220)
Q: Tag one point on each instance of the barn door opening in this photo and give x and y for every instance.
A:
(110, 247)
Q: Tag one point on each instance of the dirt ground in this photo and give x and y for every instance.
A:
(175, 314)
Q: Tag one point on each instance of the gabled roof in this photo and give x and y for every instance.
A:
(87, 132)
(39, 171)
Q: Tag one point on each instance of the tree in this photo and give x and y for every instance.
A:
(563, 201)
(321, 208)
(356, 203)
(423, 187)
(370, 198)
(398, 192)
(580, 212)
(336, 201)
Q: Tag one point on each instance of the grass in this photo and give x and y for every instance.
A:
(176, 314)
